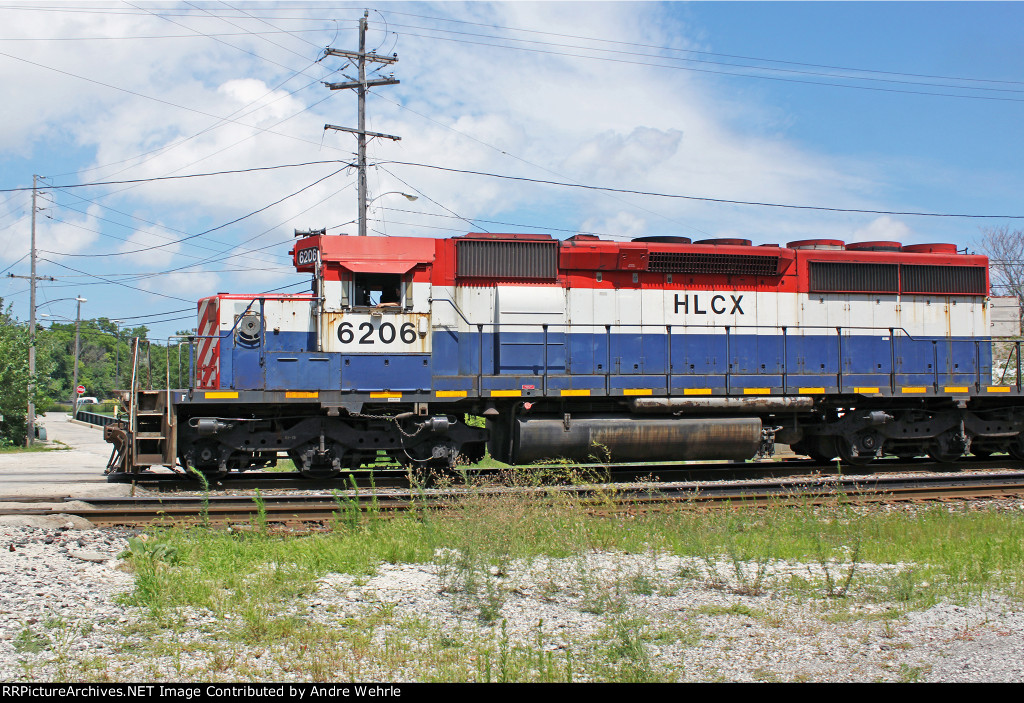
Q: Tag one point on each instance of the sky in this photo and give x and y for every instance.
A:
(880, 108)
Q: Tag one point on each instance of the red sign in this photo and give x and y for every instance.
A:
(81, 390)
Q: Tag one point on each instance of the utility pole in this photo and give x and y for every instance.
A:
(360, 59)
(31, 435)
(74, 383)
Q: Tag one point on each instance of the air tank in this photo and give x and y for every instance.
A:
(620, 438)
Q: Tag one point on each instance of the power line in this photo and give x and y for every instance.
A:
(718, 63)
(540, 33)
(116, 283)
(217, 125)
(503, 152)
(218, 227)
(174, 178)
(698, 52)
(160, 36)
(703, 199)
(221, 41)
(521, 225)
(727, 73)
(150, 97)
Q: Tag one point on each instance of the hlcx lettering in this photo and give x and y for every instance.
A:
(718, 305)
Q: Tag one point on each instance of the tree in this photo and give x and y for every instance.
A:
(1005, 250)
(14, 379)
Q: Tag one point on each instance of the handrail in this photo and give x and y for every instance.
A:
(553, 331)
(452, 303)
(732, 327)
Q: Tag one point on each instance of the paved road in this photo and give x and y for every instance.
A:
(76, 472)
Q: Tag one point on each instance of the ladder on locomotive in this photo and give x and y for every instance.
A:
(151, 422)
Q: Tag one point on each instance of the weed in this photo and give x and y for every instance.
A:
(838, 587)
(492, 601)
(734, 609)
(628, 660)
(348, 513)
(641, 585)
(685, 635)
(912, 674)
(204, 511)
(901, 586)
(261, 512)
(766, 675)
(29, 641)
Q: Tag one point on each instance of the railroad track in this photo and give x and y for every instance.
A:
(394, 477)
(321, 508)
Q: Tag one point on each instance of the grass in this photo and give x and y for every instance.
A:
(53, 446)
(254, 587)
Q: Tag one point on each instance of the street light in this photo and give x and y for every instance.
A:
(366, 206)
(410, 198)
(30, 434)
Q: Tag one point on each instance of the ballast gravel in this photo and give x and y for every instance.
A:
(62, 618)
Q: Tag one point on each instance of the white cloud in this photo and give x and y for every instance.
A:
(532, 114)
(60, 232)
(883, 228)
(616, 155)
(622, 225)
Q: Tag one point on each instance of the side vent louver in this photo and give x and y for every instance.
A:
(962, 280)
(494, 258)
(701, 262)
(841, 277)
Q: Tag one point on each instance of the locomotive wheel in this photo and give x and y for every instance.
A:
(204, 457)
(847, 456)
(1016, 448)
(937, 452)
(316, 469)
(820, 449)
(945, 449)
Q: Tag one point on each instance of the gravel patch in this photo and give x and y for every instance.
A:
(683, 619)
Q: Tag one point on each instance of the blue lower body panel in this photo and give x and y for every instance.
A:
(558, 363)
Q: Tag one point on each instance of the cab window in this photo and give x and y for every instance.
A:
(377, 290)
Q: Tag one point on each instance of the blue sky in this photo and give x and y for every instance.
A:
(818, 104)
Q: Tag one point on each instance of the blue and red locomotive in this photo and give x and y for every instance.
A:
(654, 349)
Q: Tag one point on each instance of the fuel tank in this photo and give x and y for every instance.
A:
(620, 438)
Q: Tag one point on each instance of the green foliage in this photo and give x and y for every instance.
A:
(262, 586)
(104, 358)
(104, 366)
(15, 379)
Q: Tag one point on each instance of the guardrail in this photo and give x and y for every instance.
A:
(94, 418)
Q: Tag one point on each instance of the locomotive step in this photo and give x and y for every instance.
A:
(149, 435)
(149, 459)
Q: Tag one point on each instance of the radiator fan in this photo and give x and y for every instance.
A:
(248, 331)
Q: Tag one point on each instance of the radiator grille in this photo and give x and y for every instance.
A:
(963, 280)
(700, 262)
(529, 260)
(843, 277)
(839, 277)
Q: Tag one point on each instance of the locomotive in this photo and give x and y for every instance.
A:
(659, 348)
